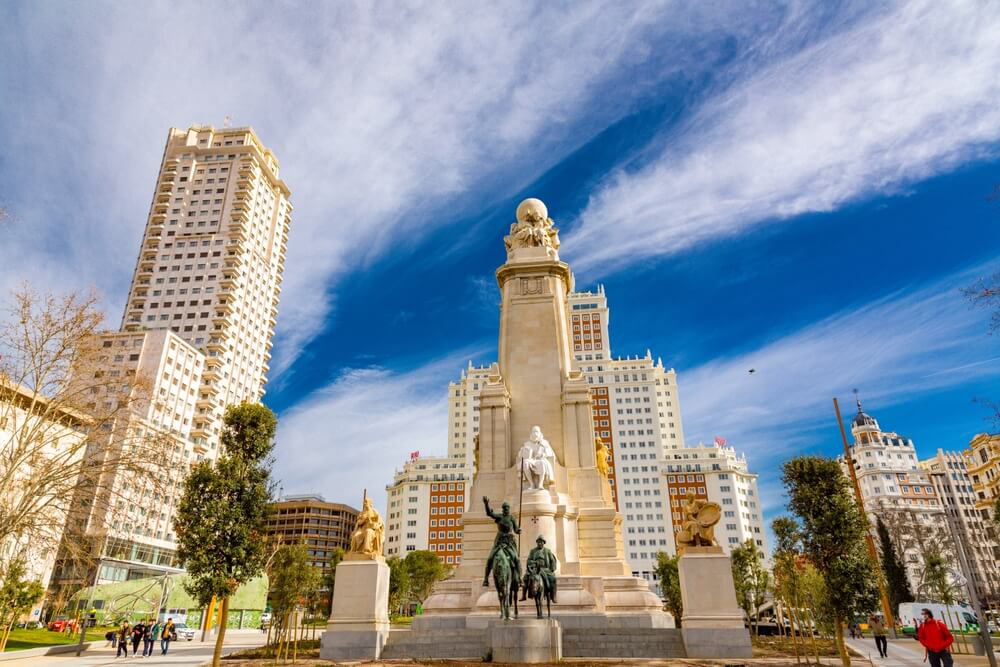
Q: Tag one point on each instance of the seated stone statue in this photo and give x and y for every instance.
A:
(369, 532)
(535, 460)
(698, 527)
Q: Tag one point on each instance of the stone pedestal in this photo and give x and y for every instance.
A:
(525, 640)
(359, 625)
(712, 624)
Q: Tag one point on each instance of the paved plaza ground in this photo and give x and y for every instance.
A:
(902, 653)
(181, 654)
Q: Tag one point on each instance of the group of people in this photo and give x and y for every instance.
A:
(932, 634)
(145, 632)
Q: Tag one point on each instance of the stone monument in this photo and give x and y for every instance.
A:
(559, 476)
(535, 397)
(359, 625)
(712, 624)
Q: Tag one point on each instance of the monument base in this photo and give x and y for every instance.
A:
(525, 640)
(359, 626)
(712, 625)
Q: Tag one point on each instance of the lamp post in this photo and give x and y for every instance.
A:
(984, 627)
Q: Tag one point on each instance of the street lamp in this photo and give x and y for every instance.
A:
(984, 625)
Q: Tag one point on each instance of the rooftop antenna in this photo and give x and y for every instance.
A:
(857, 398)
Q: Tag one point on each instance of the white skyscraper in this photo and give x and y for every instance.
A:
(198, 324)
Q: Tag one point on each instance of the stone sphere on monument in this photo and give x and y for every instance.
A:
(531, 205)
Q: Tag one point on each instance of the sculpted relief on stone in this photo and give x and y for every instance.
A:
(533, 229)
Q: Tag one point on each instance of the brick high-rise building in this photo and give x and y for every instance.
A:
(198, 324)
(310, 520)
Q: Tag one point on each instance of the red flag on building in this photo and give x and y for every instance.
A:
(720, 441)
(415, 455)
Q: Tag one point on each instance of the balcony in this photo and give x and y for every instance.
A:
(210, 375)
(209, 388)
(239, 216)
(163, 198)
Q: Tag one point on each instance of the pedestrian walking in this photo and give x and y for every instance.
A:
(138, 630)
(154, 635)
(169, 632)
(148, 637)
(124, 633)
(850, 628)
(936, 640)
(878, 632)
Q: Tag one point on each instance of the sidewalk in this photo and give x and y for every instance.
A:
(907, 653)
(180, 654)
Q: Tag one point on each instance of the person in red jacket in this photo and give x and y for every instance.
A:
(936, 640)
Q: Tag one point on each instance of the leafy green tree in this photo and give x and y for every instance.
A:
(833, 534)
(329, 579)
(896, 581)
(17, 596)
(937, 579)
(424, 569)
(221, 515)
(292, 579)
(751, 579)
(399, 583)
(670, 584)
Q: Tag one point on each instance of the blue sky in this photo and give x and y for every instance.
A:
(800, 188)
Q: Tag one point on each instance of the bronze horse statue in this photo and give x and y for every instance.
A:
(537, 589)
(503, 579)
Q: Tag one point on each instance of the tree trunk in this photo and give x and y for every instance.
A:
(6, 636)
(223, 621)
(793, 621)
(812, 636)
(838, 635)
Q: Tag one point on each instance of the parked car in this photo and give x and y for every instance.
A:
(184, 632)
(60, 623)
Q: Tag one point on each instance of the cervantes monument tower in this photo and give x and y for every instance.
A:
(569, 501)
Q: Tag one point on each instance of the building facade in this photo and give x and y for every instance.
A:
(426, 501)
(310, 520)
(636, 412)
(198, 323)
(896, 489)
(982, 460)
(954, 487)
(716, 473)
(59, 441)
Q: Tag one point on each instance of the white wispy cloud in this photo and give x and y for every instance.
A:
(892, 98)
(384, 117)
(893, 349)
(352, 434)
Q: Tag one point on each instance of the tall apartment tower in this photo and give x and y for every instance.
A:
(211, 261)
(198, 324)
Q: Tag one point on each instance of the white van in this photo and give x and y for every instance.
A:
(955, 616)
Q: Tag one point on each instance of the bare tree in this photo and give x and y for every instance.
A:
(921, 544)
(985, 293)
(74, 450)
